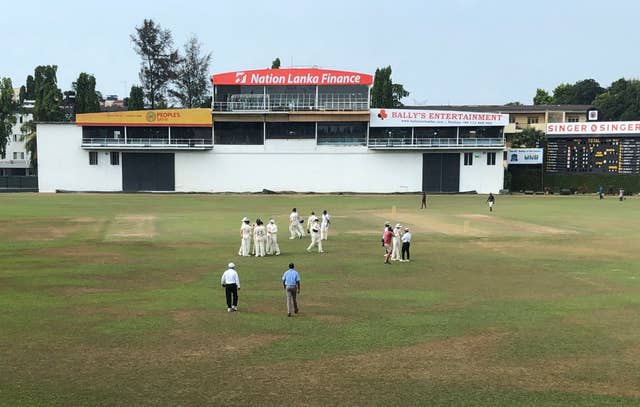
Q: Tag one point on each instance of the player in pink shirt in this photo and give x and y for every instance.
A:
(386, 240)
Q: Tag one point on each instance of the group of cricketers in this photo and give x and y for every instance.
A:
(396, 240)
(265, 237)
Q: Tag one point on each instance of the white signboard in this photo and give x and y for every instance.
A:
(593, 128)
(434, 118)
(524, 156)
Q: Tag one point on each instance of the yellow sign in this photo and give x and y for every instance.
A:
(156, 118)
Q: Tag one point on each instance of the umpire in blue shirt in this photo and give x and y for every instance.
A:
(291, 284)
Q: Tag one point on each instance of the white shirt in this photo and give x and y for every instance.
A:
(406, 238)
(246, 230)
(272, 228)
(293, 218)
(325, 220)
(259, 231)
(230, 277)
(315, 228)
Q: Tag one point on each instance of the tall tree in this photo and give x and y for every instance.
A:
(385, 93)
(30, 88)
(528, 138)
(563, 94)
(275, 64)
(621, 101)
(542, 97)
(29, 135)
(136, 98)
(47, 94)
(192, 75)
(7, 110)
(159, 60)
(87, 99)
(583, 92)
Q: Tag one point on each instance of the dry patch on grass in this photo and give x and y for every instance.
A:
(82, 253)
(47, 229)
(131, 227)
(517, 226)
(469, 360)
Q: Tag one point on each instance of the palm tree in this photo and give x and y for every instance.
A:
(31, 144)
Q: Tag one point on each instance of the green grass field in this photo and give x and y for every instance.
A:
(116, 300)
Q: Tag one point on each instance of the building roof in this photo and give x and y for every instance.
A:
(507, 108)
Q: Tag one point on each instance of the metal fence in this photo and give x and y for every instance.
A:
(409, 142)
(286, 102)
(18, 183)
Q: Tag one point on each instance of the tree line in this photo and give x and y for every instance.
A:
(618, 102)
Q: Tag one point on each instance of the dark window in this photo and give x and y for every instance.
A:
(238, 133)
(434, 132)
(201, 134)
(468, 158)
(103, 132)
(291, 130)
(480, 132)
(491, 158)
(390, 132)
(342, 132)
(161, 133)
(20, 118)
(532, 119)
(93, 158)
(115, 158)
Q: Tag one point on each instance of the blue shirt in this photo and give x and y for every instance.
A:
(290, 277)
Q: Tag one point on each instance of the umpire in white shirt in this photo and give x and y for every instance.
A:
(231, 283)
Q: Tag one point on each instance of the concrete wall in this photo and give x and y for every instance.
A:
(298, 166)
(279, 165)
(481, 177)
(64, 164)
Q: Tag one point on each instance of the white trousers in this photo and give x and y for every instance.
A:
(315, 240)
(324, 232)
(260, 246)
(295, 229)
(245, 248)
(395, 248)
(275, 249)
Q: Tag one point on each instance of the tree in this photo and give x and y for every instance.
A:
(7, 110)
(580, 93)
(47, 94)
(275, 64)
(28, 130)
(385, 93)
(542, 97)
(87, 99)
(192, 79)
(30, 88)
(528, 138)
(136, 98)
(621, 101)
(563, 94)
(159, 59)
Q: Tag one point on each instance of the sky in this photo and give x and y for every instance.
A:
(443, 52)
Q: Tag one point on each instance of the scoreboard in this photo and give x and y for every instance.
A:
(610, 155)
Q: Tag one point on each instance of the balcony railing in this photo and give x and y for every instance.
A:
(434, 143)
(292, 103)
(146, 144)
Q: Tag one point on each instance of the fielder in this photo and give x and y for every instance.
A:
(259, 237)
(272, 238)
(245, 233)
(490, 201)
(312, 217)
(294, 225)
(324, 225)
(315, 236)
(395, 242)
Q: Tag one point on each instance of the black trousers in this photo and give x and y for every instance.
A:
(231, 290)
(405, 249)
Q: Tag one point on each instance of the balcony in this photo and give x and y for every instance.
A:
(251, 103)
(434, 143)
(147, 144)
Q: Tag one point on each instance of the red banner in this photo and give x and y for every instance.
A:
(291, 76)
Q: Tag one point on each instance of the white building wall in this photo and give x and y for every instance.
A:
(16, 154)
(481, 177)
(299, 166)
(63, 164)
